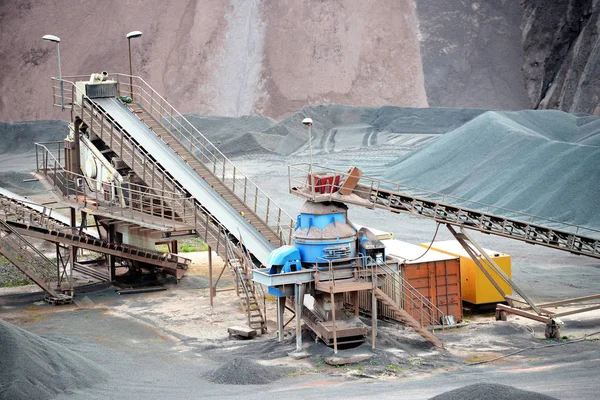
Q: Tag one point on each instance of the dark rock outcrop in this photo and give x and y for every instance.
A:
(562, 54)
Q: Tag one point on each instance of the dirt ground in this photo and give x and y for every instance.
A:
(178, 332)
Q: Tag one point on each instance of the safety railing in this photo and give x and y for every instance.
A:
(360, 267)
(238, 263)
(210, 156)
(31, 261)
(143, 164)
(411, 299)
(29, 212)
(368, 189)
(142, 203)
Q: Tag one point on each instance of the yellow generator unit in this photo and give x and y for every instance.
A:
(475, 286)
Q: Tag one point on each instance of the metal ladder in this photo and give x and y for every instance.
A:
(240, 269)
(409, 301)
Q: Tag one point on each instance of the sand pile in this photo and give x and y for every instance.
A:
(32, 367)
(538, 162)
(480, 391)
(242, 371)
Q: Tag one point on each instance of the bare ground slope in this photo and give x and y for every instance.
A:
(214, 57)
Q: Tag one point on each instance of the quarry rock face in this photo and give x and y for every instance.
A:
(272, 58)
(472, 54)
(562, 54)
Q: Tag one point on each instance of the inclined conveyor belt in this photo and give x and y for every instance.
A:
(200, 190)
(47, 211)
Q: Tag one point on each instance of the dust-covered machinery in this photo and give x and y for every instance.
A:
(329, 258)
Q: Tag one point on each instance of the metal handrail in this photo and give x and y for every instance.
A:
(245, 189)
(361, 267)
(144, 196)
(416, 298)
(38, 268)
(239, 276)
(374, 184)
(204, 222)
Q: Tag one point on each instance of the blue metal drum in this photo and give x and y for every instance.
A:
(323, 233)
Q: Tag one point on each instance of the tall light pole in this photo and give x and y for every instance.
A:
(131, 35)
(56, 39)
(308, 122)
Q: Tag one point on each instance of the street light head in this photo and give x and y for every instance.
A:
(307, 121)
(133, 34)
(51, 38)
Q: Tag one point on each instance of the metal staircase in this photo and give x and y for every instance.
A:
(33, 220)
(247, 291)
(29, 260)
(407, 318)
(411, 307)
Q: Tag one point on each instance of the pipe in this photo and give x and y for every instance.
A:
(141, 290)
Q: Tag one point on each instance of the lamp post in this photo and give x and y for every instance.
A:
(131, 35)
(308, 122)
(56, 39)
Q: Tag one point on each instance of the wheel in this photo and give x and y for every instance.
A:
(552, 330)
(501, 315)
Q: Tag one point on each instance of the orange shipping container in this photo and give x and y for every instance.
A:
(436, 276)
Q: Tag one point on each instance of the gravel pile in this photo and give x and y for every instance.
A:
(334, 126)
(538, 162)
(242, 371)
(481, 391)
(19, 137)
(10, 275)
(32, 367)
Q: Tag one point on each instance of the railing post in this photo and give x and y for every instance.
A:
(255, 199)
(233, 185)
(268, 205)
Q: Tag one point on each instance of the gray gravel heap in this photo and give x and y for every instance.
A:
(538, 162)
(485, 391)
(10, 275)
(243, 371)
(32, 367)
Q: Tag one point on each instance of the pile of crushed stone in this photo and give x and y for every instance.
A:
(32, 367)
(494, 391)
(539, 162)
(243, 371)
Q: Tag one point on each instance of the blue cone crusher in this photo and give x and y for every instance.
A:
(326, 247)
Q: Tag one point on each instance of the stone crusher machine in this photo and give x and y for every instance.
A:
(328, 259)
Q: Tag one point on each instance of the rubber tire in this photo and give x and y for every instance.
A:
(501, 315)
(552, 331)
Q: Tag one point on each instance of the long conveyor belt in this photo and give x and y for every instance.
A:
(34, 220)
(374, 193)
(181, 172)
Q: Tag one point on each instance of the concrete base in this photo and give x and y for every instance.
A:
(341, 359)
(298, 355)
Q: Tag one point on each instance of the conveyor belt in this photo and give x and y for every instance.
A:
(374, 193)
(22, 203)
(200, 190)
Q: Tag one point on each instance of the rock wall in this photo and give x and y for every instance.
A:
(272, 58)
(562, 54)
(472, 53)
